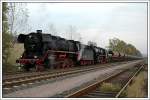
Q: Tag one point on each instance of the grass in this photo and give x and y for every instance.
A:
(136, 89)
(109, 87)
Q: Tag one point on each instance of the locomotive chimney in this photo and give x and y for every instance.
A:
(39, 31)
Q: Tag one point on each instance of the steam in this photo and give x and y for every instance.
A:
(81, 51)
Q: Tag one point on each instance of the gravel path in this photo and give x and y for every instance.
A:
(48, 90)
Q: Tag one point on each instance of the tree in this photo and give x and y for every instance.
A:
(120, 46)
(71, 31)
(73, 34)
(52, 30)
(14, 21)
(138, 53)
(115, 44)
(7, 38)
(17, 19)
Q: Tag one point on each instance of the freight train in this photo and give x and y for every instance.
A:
(43, 51)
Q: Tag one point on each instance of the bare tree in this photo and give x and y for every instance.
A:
(17, 18)
(71, 31)
(78, 37)
(74, 34)
(52, 29)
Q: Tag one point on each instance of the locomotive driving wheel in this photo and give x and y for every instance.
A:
(71, 63)
(39, 68)
(26, 67)
(67, 63)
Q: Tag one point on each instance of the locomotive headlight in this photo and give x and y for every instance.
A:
(35, 56)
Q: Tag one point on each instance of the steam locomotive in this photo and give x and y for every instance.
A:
(42, 51)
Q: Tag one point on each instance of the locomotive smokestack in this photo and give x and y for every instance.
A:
(39, 31)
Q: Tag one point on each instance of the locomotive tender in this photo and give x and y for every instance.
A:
(43, 51)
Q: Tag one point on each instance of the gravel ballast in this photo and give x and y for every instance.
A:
(51, 89)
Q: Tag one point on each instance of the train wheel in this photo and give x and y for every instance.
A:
(63, 64)
(66, 63)
(71, 63)
(58, 65)
(85, 63)
(81, 63)
(39, 68)
(93, 62)
(27, 67)
(88, 62)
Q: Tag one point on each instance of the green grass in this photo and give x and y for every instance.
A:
(136, 89)
(109, 87)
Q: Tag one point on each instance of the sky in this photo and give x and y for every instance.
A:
(97, 22)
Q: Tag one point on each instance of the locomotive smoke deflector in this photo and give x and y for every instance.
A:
(21, 38)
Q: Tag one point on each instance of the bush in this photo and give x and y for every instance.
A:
(15, 53)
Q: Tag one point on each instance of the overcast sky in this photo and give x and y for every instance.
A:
(96, 22)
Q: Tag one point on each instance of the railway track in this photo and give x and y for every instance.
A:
(20, 75)
(10, 83)
(16, 83)
(27, 79)
(124, 78)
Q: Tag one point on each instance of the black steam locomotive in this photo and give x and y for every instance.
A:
(43, 51)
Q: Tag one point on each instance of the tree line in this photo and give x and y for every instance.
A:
(118, 45)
